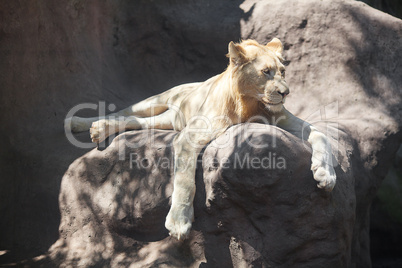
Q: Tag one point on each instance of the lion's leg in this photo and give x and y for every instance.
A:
(103, 128)
(160, 103)
(322, 165)
(187, 146)
(150, 107)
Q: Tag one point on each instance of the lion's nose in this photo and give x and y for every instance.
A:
(282, 88)
(283, 92)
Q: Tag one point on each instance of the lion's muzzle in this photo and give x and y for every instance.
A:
(282, 88)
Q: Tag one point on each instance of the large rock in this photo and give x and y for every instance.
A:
(345, 77)
(257, 204)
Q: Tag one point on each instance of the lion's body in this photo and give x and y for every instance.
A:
(253, 88)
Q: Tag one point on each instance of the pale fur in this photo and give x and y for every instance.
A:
(252, 85)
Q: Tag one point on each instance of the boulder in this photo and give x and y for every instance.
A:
(344, 74)
(256, 204)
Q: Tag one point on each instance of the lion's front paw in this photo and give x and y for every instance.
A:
(178, 221)
(102, 129)
(325, 175)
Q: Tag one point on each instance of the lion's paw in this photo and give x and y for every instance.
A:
(102, 129)
(178, 221)
(325, 176)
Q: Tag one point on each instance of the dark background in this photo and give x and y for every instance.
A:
(393, 7)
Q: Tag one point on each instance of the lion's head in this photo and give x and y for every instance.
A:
(259, 72)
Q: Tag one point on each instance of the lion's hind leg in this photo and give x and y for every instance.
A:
(147, 108)
(150, 107)
(103, 128)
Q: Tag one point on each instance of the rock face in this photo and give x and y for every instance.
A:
(344, 74)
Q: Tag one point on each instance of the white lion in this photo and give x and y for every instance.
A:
(253, 85)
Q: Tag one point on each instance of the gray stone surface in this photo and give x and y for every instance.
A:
(254, 206)
(344, 74)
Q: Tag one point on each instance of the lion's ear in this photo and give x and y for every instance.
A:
(236, 54)
(275, 45)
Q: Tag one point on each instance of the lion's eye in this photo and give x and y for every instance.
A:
(266, 71)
